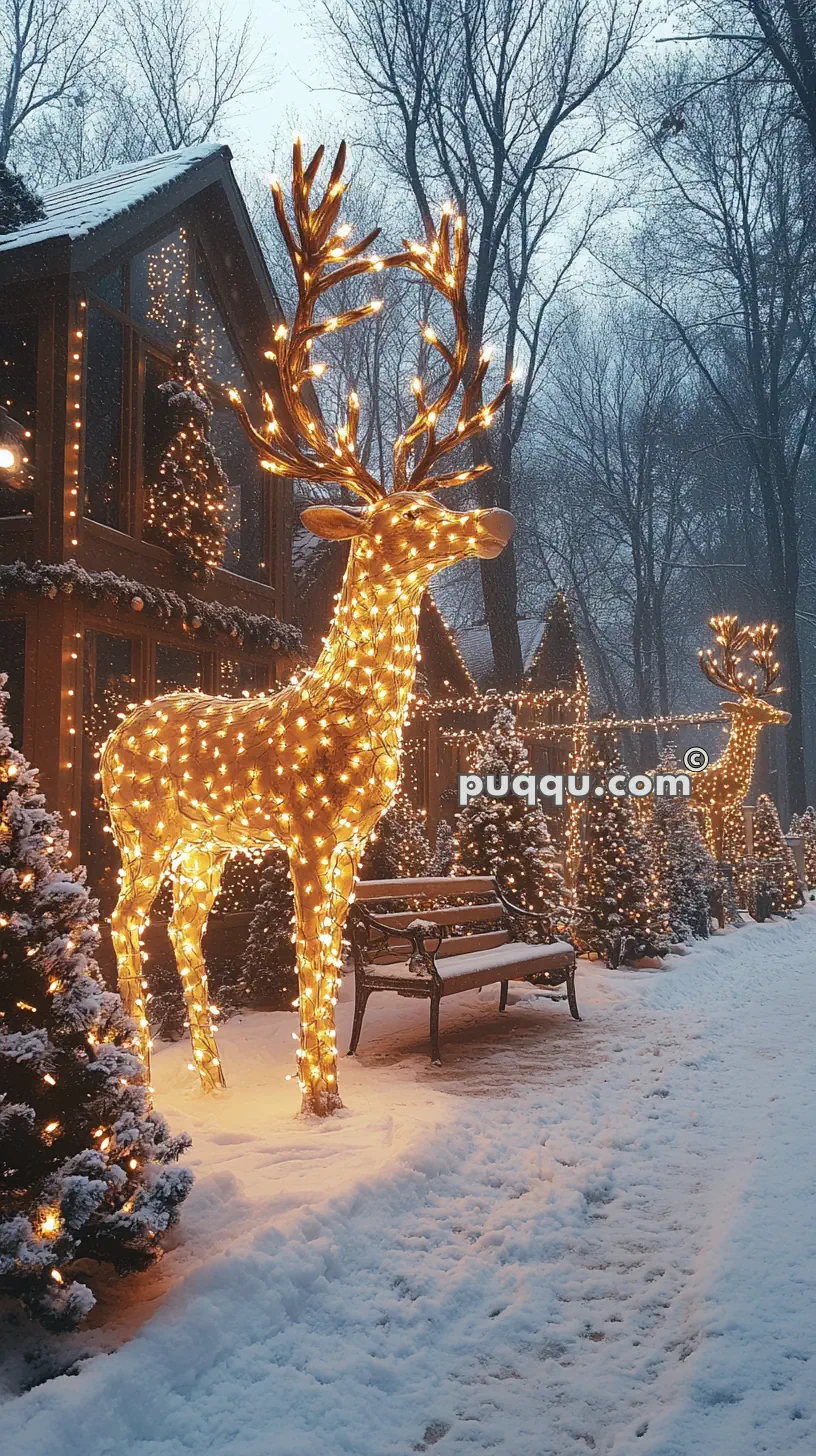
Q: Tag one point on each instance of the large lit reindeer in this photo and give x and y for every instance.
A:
(722, 787)
(190, 780)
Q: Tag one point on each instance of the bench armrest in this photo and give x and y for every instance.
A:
(415, 936)
(546, 918)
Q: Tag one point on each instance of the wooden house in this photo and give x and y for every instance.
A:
(94, 301)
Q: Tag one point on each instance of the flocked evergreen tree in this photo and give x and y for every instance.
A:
(186, 497)
(616, 881)
(684, 868)
(401, 848)
(83, 1157)
(268, 977)
(769, 845)
(506, 836)
(18, 204)
(809, 835)
(442, 857)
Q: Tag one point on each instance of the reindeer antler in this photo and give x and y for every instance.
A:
(443, 262)
(732, 638)
(297, 444)
(764, 638)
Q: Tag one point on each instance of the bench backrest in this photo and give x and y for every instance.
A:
(472, 922)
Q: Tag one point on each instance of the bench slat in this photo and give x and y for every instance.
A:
(428, 888)
(460, 945)
(448, 915)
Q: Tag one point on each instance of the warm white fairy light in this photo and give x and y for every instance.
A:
(189, 780)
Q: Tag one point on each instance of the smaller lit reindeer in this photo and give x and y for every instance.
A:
(190, 780)
(722, 787)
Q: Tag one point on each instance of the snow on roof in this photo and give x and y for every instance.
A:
(474, 644)
(76, 208)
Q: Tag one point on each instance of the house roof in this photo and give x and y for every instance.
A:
(75, 209)
(98, 220)
(476, 648)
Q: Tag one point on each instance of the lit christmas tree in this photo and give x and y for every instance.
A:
(507, 837)
(186, 501)
(804, 825)
(268, 975)
(442, 858)
(769, 844)
(681, 861)
(616, 880)
(80, 1147)
(401, 848)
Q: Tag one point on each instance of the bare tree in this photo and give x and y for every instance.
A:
(47, 49)
(729, 260)
(497, 104)
(169, 78)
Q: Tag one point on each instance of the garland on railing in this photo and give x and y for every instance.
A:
(206, 619)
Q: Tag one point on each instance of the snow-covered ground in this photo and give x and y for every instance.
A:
(569, 1238)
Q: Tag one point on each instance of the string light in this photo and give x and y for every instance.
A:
(189, 779)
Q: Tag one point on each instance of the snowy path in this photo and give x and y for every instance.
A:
(597, 1238)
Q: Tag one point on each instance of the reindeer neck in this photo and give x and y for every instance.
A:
(373, 638)
(743, 733)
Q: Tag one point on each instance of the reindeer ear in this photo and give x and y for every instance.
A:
(333, 523)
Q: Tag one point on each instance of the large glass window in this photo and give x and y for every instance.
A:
(103, 418)
(108, 687)
(177, 669)
(238, 678)
(18, 413)
(160, 288)
(12, 663)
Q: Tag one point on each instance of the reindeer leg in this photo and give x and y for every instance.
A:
(196, 881)
(141, 877)
(322, 898)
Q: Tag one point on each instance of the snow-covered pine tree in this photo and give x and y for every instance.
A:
(507, 837)
(769, 844)
(18, 204)
(401, 848)
(80, 1147)
(186, 499)
(268, 976)
(808, 832)
(442, 858)
(684, 868)
(616, 881)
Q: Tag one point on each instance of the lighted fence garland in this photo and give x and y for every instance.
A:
(190, 780)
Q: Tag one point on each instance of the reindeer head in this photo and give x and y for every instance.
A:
(407, 528)
(414, 534)
(724, 667)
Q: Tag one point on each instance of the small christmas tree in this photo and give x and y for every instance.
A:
(268, 977)
(80, 1147)
(769, 844)
(507, 837)
(442, 858)
(401, 848)
(808, 831)
(616, 880)
(186, 500)
(18, 204)
(681, 861)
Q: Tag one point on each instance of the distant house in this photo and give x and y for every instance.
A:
(94, 301)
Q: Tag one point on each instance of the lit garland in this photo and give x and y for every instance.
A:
(189, 780)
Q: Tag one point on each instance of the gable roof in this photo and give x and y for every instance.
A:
(99, 216)
(477, 650)
(75, 209)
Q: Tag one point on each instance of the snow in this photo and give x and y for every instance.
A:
(593, 1237)
(76, 208)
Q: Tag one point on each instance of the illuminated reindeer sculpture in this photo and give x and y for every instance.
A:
(722, 787)
(190, 780)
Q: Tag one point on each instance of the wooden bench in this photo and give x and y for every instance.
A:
(445, 948)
